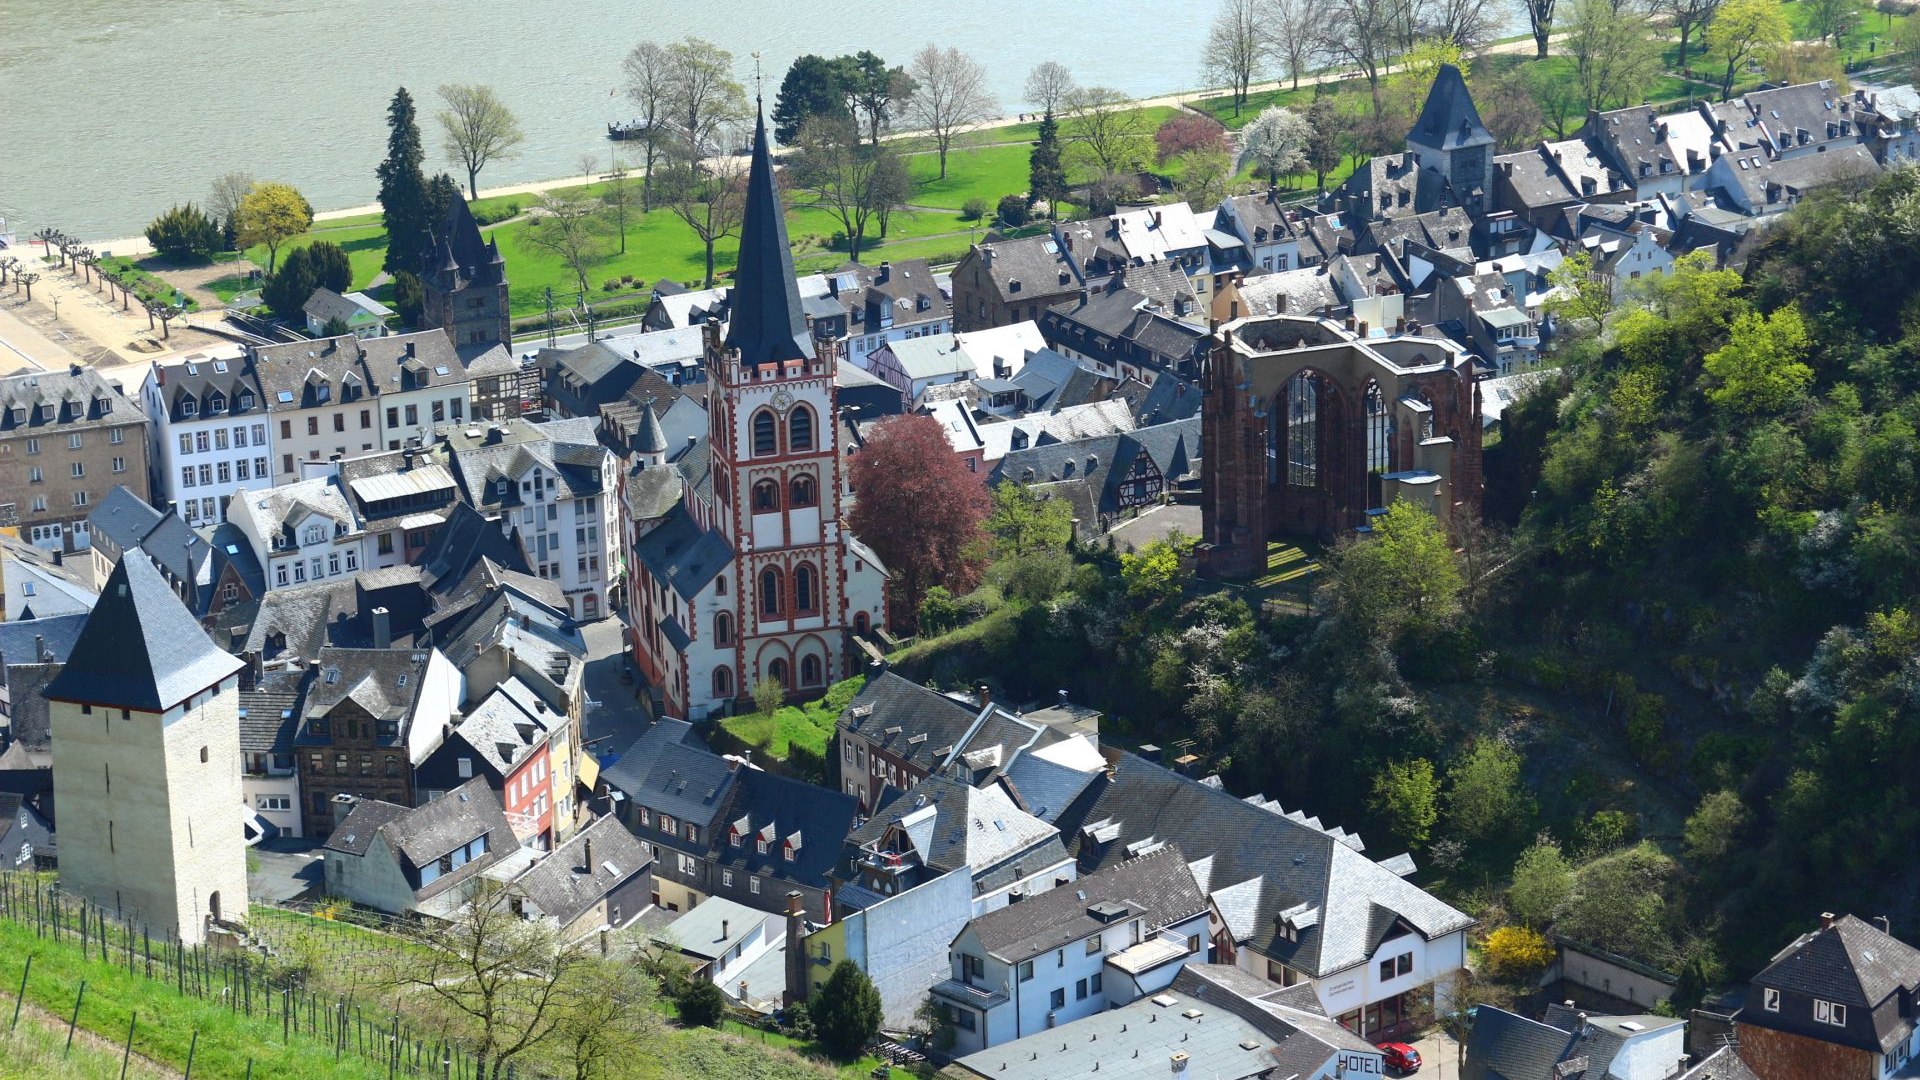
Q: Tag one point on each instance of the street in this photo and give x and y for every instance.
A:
(613, 718)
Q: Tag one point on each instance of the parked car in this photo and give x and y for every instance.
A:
(1402, 1060)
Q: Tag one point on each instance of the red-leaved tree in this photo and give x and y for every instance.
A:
(920, 509)
(1186, 131)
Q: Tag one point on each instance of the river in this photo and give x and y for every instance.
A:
(111, 112)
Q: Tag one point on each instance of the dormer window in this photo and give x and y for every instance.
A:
(1770, 999)
(1830, 1012)
(786, 852)
(216, 403)
(760, 845)
(246, 400)
(733, 837)
(188, 407)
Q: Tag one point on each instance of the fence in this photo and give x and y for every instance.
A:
(239, 978)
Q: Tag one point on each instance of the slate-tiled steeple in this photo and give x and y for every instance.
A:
(766, 323)
(1448, 119)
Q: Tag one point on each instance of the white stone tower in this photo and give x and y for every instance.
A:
(146, 761)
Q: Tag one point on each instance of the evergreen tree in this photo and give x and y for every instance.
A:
(846, 1011)
(1323, 145)
(287, 289)
(813, 87)
(403, 187)
(442, 192)
(1046, 177)
(331, 269)
(409, 298)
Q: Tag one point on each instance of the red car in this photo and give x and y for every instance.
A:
(1402, 1060)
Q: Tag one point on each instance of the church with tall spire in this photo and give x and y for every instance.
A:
(754, 577)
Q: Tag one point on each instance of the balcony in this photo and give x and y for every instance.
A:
(973, 997)
(889, 863)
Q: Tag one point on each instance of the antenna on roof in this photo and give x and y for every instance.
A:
(756, 79)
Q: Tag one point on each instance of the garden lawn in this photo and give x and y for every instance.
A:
(166, 1019)
(1868, 27)
(365, 244)
(988, 173)
(809, 725)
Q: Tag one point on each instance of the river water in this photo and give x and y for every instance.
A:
(110, 111)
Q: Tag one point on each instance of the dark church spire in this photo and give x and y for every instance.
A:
(766, 322)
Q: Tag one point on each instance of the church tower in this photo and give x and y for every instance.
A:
(146, 761)
(464, 282)
(1450, 140)
(774, 464)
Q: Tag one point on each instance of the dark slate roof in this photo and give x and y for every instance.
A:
(1045, 787)
(955, 826)
(1157, 888)
(56, 634)
(40, 402)
(1504, 1046)
(384, 682)
(1257, 862)
(814, 821)
(141, 649)
(354, 834)
(207, 381)
(463, 541)
(564, 884)
(123, 518)
(682, 554)
(1448, 119)
(270, 712)
(1851, 962)
(768, 323)
(1029, 266)
(927, 721)
(668, 771)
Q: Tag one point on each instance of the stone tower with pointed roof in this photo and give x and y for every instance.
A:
(1450, 140)
(146, 761)
(464, 281)
(774, 466)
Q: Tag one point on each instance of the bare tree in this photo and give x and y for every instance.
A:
(1048, 85)
(1103, 132)
(1831, 18)
(1540, 22)
(1467, 23)
(1614, 53)
(843, 177)
(224, 200)
(616, 193)
(1687, 16)
(507, 977)
(1294, 32)
(702, 95)
(1236, 48)
(478, 127)
(27, 278)
(649, 67)
(607, 1016)
(951, 94)
(710, 197)
(570, 226)
(1364, 33)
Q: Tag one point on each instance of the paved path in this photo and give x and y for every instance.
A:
(22, 346)
(612, 715)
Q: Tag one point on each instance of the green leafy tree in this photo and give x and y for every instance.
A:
(1620, 901)
(184, 232)
(1615, 54)
(318, 265)
(272, 214)
(403, 187)
(1760, 369)
(1403, 572)
(1486, 801)
(1542, 880)
(846, 1011)
(1022, 523)
(1714, 826)
(875, 93)
(1406, 794)
(1046, 176)
(768, 695)
(811, 88)
(1579, 291)
(1746, 31)
(1153, 575)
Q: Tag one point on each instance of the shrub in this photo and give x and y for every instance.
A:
(184, 232)
(1014, 211)
(973, 209)
(701, 1004)
(1517, 952)
(610, 285)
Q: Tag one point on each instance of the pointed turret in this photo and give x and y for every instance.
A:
(1448, 119)
(648, 438)
(767, 322)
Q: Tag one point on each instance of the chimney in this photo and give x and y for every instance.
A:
(726, 927)
(1885, 924)
(1826, 920)
(886, 273)
(1178, 1062)
(983, 695)
(382, 628)
(586, 856)
(40, 655)
(1063, 699)
(796, 951)
(409, 350)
